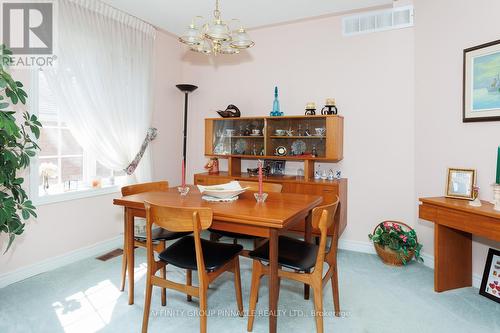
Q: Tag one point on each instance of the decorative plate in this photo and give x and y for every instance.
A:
(298, 147)
(240, 146)
(281, 151)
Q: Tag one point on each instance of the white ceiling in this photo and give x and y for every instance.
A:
(174, 16)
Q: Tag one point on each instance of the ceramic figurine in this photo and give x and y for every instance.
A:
(212, 166)
(324, 175)
(317, 175)
(310, 109)
(330, 107)
(331, 175)
(338, 174)
(475, 195)
(314, 152)
(307, 132)
(247, 131)
(231, 111)
(289, 132)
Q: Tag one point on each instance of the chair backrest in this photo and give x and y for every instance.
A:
(266, 187)
(177, 219)
(323, 217)
(145, 187)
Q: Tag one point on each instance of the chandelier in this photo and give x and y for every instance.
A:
(215, 37)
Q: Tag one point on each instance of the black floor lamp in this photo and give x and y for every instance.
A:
(186, 89)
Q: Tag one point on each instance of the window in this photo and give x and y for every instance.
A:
(63, 170)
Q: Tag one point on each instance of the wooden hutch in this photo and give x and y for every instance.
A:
(233, 139)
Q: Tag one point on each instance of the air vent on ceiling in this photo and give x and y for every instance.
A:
(394, 18)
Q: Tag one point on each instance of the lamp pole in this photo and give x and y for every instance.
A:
(186, 89)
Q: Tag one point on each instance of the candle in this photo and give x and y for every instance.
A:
(183, 174)
(497, 181)
(260, 178)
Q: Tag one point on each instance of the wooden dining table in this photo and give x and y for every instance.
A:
(269, 219)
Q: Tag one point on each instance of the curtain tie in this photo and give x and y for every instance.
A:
(150, 136)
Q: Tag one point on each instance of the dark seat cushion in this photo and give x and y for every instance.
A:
(292, 253)
(160, 234)
(183, 254)
(232, 234)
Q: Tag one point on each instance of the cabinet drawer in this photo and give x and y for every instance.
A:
(210, 180)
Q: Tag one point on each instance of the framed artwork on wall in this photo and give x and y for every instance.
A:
(490, 285)
(460, 183)
(481, 86)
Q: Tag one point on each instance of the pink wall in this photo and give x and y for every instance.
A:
(372, 78)
(168, 114)
(443, 29)
(71, 225)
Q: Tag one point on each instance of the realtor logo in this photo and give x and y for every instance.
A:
(28, 31)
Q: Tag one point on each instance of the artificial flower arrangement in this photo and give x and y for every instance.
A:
(394, 244)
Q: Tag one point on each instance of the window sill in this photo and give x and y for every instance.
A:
(75, 195)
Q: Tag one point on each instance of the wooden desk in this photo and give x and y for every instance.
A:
(280, 212)
(455, 223)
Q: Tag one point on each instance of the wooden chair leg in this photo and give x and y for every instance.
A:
(306, 287)
(318, 306)
(147, 305)
(124, 269)
(335, 290)
(237, 286)
(163, 273)
(203, 310)
(254, 291)
(189, 281)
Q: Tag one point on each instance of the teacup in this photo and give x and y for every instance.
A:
(280, 132)
(256, 131)
(320, 131)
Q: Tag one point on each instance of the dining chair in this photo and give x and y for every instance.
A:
(301, 257)
(252, 186)
(210, 259)
(159, 236)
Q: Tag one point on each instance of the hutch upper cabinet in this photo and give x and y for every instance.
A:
(296, 137)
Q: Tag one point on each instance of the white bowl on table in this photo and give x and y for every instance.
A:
(222, 191)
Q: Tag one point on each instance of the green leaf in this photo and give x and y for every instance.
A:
(11, 240)
(4, 105)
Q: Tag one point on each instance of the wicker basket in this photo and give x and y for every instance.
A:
(389, 256)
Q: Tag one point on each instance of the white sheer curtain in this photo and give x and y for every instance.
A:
(102, 81)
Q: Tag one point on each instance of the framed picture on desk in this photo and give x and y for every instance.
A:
(460, 183)
(490, 286)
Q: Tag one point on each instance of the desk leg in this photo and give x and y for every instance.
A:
(308, 239)
(129, 222)
(273, 280)
(452, 258)
(124, 254)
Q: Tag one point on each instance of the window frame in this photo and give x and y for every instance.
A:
(34, 186)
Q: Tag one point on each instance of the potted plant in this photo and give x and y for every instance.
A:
(17, 146)
(396, 243)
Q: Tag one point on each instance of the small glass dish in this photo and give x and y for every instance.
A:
(260, 198)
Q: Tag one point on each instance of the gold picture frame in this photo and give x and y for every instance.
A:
(460, 183)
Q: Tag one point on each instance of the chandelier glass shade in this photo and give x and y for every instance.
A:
(215, 36)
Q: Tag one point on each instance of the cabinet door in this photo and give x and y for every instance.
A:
(329, 193)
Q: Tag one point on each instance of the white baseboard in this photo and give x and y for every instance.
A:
(367, 247)
(60, 261)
